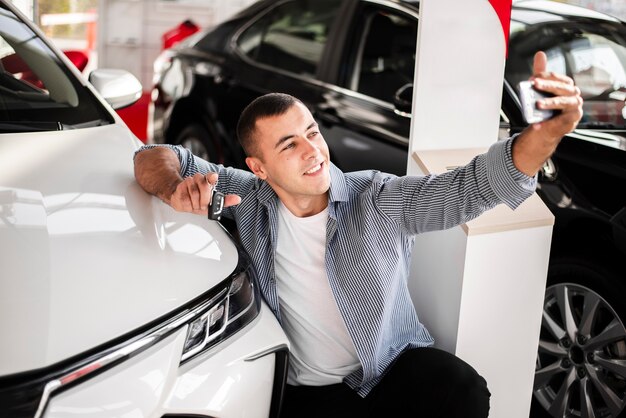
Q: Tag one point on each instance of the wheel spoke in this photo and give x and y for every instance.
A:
(586, 405)
(612, 400)
(559, 405)
(590, 309)
(543, 376)
(563, 302)
(551, 325)
(613, 332)
(616, 366)
(552, 348)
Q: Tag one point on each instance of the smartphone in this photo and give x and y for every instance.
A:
(529, 96)
(216, 206)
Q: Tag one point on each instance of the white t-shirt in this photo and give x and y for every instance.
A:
(322, 352)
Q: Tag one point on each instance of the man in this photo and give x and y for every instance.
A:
(331, 250)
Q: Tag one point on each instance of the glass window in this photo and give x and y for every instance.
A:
(37, 91)
(593, 55)
(385, 59)
(292, 36)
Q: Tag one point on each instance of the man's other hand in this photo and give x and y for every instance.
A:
(193, 194)
(537, 143)
(566, 98)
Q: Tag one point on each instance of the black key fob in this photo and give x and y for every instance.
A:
(216, 206)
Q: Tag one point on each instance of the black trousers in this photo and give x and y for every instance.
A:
(423, 382)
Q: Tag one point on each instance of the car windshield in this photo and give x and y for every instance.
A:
(592, 53)
(37, 91)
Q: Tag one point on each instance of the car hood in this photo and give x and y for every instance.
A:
(85, 254)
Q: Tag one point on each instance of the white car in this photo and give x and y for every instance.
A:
(111, 303)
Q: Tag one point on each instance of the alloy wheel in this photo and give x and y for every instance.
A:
(581, 362)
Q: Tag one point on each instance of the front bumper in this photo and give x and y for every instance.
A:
(240, 377)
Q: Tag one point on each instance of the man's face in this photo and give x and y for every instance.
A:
(292, 156)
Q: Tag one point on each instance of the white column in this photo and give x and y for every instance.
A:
(478, 288)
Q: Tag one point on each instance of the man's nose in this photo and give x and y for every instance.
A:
(310, 150)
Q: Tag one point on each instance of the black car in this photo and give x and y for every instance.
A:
(352, 64)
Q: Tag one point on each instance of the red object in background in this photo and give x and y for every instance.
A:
(78, 58)
(177, 34)
(136, 117)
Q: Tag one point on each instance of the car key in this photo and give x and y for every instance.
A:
(216, 206)
(529, 97)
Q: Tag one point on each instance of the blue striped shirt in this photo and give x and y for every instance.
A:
(373, 218)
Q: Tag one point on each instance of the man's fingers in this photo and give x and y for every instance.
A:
(552, 76)
(194, 190)
(559, 102)
(205, 188)
(556, 87)
(540, 62)
(180, 198)
(566, 98)
(231, 200)
(193, 194)
(571, 113)
(211, 178)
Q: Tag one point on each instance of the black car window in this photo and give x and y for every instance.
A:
(291, 36)
(37, 91)
(385, 57)
(592, 54)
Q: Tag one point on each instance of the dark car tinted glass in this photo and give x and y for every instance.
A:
(37, 92)
(291, 36)
(593, 54)
(385, 58)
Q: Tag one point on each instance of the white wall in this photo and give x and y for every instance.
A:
(129, 31)
(25, 6)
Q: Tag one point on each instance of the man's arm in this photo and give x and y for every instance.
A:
(539, 141)
(157, 171)
(505, 174)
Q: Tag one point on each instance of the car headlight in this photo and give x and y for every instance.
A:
(220, 317)
(215, 316)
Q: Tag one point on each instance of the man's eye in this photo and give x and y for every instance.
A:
(313, 134)
(290, 145)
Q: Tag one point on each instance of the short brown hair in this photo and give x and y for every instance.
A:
(271, 104)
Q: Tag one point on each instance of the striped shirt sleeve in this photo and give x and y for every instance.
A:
(230, 180)
(441, 201)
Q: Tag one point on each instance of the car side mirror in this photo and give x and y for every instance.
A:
(118, 87)
(403, 99)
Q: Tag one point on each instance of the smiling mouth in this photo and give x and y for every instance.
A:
(315, 169)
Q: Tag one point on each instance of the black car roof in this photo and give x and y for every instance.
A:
(547, 10)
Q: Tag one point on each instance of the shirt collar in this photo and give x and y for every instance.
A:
(338, 188)
(338, 191)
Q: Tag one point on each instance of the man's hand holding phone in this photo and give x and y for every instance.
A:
(529, 96)
(553, 106)
(553, 98)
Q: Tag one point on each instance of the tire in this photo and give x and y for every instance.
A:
(581, 370)
(198, 140)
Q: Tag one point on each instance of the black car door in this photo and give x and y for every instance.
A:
(281, 50)
(359, 119)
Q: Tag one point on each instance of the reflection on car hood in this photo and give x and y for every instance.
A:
(85, 254)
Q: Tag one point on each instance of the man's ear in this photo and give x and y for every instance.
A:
(256, 166)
